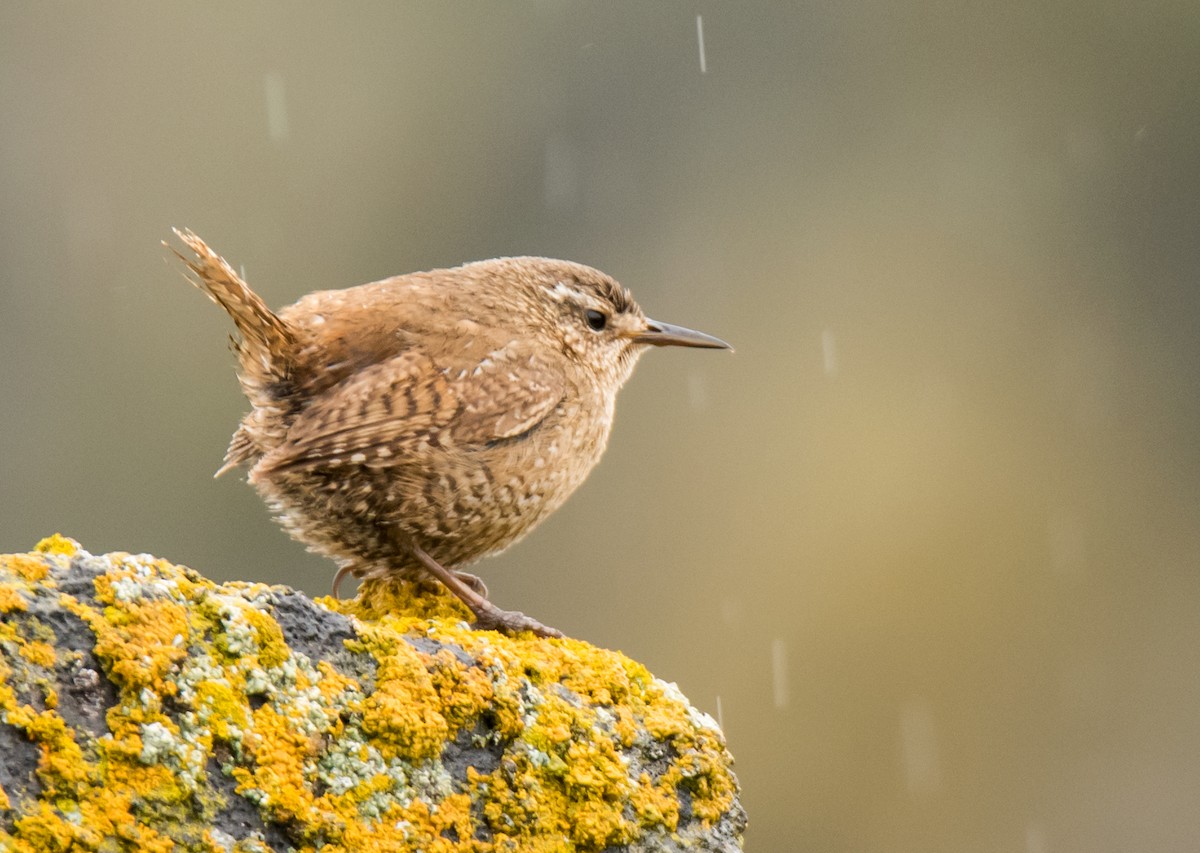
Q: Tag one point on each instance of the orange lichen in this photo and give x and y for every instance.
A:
(26, 566)
(139, 640)
(573, 782)
(11, 600)
(402, 714)
(203, 671)
(411, 602)
(280, 752)
(655, 803)
(102, 823)
(38, 653)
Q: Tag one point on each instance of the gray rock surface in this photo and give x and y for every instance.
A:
(143, 707)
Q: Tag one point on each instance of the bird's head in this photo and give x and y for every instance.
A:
(593, 319)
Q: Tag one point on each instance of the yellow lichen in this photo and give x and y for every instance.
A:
(412, 602)
(57, 544)
(25, 566)
(655, 803)
(138, 639)
(280, 752)
(62, 769)
(11, 601)
(402, 715)
(38, 653)
(223, 705)
(272, 650)
(204, 671)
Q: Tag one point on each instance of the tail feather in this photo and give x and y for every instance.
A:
(242, 448)
(267, 342)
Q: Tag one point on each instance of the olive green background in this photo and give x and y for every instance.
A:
(929, 542)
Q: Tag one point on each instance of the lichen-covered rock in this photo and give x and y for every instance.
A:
(144, 707)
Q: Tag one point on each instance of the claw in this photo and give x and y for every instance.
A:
(511, 622)
(473, 581)
(487, 615)
(339, 577)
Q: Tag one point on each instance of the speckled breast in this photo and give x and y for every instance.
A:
(463, 504)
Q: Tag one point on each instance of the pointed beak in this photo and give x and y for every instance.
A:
(665, 335)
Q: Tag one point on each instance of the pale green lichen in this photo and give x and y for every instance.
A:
(203, 672)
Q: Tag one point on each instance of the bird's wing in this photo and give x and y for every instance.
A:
(503, 398)
(405, 408)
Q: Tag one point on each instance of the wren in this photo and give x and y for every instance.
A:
(407, 427)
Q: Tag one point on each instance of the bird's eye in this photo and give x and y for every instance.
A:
(596, 320)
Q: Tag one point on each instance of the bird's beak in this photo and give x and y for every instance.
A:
(665, 335)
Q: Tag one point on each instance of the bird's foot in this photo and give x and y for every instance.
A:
(341, 576)
(487, 615)
(474, 582)
(492, 617)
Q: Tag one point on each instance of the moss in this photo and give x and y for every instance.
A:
(205, 679)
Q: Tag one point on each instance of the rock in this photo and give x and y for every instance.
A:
(144, 707)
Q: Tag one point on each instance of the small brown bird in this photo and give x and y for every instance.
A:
(410, 426)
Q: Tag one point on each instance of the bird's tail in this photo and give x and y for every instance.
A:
(267, 344)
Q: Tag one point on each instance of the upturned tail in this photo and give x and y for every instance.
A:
(267, 342)
(266, 348)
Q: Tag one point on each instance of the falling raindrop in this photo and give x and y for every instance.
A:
(277, 119)
(700, 40)
(1035, 839)
(918, 747)
(720, 714)
(829, 351)
(731, 611)
(561, 174)
(779, 672)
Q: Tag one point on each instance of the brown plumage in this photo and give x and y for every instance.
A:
(410, 426)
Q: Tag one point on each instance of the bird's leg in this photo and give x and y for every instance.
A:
(487, 615)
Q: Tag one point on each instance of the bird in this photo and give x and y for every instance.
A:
(407, 427)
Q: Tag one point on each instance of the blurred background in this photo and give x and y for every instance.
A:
(928, 543)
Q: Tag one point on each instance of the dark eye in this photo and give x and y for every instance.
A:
(596, 320)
